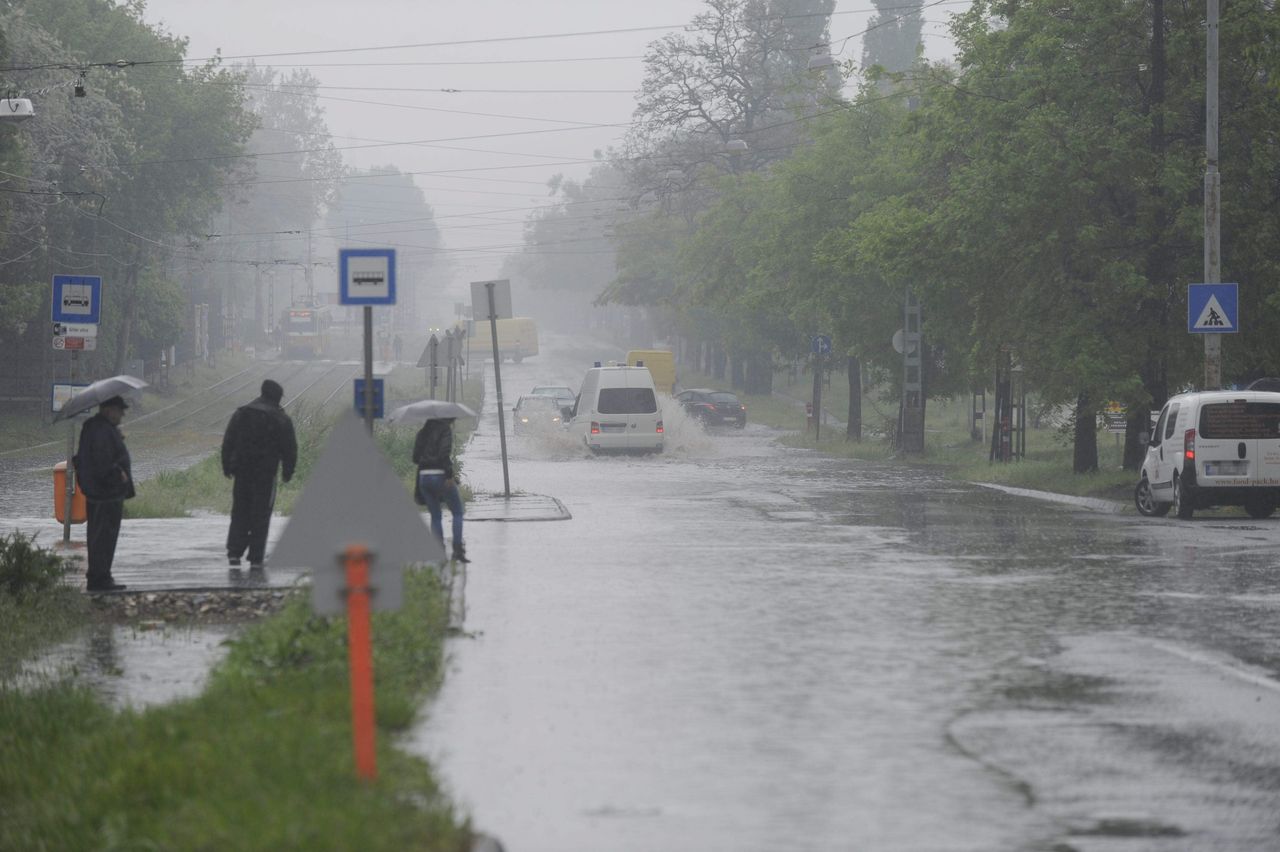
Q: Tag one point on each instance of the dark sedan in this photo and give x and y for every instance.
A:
(713, 407)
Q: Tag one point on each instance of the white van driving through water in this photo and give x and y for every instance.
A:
(617, 411)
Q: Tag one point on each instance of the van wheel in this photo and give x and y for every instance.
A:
(1146, 502)
(1182, 505)
(1260, 509)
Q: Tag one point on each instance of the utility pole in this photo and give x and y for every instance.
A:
(1212, 192)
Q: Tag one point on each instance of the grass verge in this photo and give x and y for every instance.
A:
(36, 608)
(1047, 466)
(261, 760)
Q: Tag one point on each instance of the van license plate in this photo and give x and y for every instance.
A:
(1227, 468)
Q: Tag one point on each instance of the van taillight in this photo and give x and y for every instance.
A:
(595, 428)
(659, 426)
(1189, 445)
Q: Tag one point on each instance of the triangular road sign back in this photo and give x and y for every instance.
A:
(354, 497)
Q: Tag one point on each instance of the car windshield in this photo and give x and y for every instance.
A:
(544, 402)
(724, 397)
(1239, 419)
(627, 401)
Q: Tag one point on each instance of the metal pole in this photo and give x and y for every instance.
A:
(817, 395)
(69, 478)
(497, 385)
(368, 368)
(1212, 192)
(433, 346)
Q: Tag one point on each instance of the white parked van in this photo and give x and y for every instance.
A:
(617, 411)
(1213, 448)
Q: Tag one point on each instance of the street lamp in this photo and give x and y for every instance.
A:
(16, 109)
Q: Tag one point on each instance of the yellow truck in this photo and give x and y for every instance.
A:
(517, 339)
(661, 364)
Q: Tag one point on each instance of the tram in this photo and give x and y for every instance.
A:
(306, 331)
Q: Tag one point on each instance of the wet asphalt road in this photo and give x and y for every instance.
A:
(737, 646)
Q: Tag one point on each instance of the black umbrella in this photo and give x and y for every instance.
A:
(98, 393)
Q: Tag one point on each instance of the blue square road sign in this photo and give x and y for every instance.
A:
(77, 298)
(367, 276)
(1213, 309)
(377, 398)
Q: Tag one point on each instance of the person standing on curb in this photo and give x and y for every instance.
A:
(258, 442)
(437, 482)
(105, 473)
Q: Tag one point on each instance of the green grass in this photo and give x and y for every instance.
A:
(261, 760)
(1046, 467)
(36, 609)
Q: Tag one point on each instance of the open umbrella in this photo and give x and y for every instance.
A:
(99, 392)
(429, 409)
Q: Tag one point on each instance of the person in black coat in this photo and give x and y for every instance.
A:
(259, 441)
(437, 482)
(105, 473)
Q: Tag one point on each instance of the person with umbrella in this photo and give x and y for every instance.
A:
(106, 477)
(259, 441)
(437, 482)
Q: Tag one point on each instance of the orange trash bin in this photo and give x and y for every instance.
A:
(60, 497)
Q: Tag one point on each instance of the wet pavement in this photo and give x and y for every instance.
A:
(740, 646)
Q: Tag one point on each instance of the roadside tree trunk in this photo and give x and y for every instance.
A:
(1085, 455)
(853, 431)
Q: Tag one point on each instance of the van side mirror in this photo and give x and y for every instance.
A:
(1143, 439)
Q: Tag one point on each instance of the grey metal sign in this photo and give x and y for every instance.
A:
(501, 299)
(354, 497)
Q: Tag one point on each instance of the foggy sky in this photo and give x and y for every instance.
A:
(502, 79)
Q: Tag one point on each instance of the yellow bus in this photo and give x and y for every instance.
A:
(517, 339)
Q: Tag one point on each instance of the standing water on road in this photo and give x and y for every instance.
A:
(739, 646)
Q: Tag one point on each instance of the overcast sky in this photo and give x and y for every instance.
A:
(541, 87)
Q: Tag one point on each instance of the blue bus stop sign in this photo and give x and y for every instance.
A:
(77, 298)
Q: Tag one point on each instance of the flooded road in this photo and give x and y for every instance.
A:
(739, 646)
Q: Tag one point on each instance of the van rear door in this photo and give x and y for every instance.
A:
(1238, 442)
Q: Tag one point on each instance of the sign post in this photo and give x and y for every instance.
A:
(360, 660)
(356, 528)
(367, 277)
(821, 346)
(76, 310)
(492, 299)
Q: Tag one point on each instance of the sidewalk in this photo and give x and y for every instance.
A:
(189, 554)
(168, 554)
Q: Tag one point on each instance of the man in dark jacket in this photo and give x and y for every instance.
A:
(433, 454)
(106, 478)
(259, 441)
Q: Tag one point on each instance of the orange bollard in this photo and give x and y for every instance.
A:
(78, 513)
(360, 661)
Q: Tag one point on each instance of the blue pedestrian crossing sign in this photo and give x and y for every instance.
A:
(1213, 308)
(821, 344)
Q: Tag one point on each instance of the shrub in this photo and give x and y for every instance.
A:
(25, 568)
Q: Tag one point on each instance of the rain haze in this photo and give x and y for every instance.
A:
(875, 445)
(487, 101)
